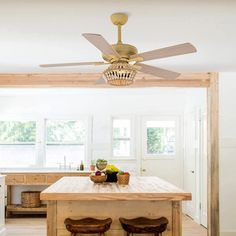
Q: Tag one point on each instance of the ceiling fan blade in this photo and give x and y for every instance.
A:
(152, 70)
(100, 81)
(95, 63)
(176, 50)
(100, 43)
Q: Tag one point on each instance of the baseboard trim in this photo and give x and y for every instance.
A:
(227, 233)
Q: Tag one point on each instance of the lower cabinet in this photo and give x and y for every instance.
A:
(2, 202)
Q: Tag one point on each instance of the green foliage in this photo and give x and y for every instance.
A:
(155, 144)
(70, 131)
(17, 131)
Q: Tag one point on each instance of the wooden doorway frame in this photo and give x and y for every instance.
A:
(204, 80)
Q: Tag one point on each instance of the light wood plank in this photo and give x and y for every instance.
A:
(114, 209)
(88, 80)
(19, 208)
(139, 188)
(213, 156)
(177, 218)
(52, 218)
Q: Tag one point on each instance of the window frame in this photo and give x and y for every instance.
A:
(23, 119)
(132, 137)
(40, 142)
(145, 155)
(88, 139)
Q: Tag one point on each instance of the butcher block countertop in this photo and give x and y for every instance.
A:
(139, 188)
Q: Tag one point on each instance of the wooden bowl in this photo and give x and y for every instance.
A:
(98, 178)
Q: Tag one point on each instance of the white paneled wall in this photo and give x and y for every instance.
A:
(227, 90)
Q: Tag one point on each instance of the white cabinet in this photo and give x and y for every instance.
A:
(2, 202)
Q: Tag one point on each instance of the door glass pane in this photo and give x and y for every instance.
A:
(160, 137)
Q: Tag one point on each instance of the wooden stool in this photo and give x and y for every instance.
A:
(144, 225)
(88, 226)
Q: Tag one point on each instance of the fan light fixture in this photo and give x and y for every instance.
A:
(120, 74)
(124, 60)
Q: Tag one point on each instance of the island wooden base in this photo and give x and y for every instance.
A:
(58, 211)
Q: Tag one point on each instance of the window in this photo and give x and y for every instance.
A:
(159, 137)
(121, 138)
(65, 139)
(17, 143)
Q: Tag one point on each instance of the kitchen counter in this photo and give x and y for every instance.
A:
(78, 197)
(33, 178)
(140, 188)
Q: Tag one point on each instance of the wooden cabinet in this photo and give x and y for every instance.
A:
(2, 202)
(32, 178)
(15, 179)
(35, 179)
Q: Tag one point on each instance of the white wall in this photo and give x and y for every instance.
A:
(227, 89)
(101, 104)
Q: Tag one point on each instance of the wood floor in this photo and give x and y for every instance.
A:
(37, 227)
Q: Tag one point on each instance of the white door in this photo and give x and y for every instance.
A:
(203, 170)
(190, 152)
(160, 148)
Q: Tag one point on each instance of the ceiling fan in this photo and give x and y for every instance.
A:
(124, 59)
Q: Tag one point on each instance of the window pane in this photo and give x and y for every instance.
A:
(17, 143)
(55, 154)
(121, 148)
(121, 137)
(65, 131)
(17, 131)
(121, 128)
(160, 137)
(65, 138)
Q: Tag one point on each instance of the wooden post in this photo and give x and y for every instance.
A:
(213, 156)
(177, 218)
(51, 218)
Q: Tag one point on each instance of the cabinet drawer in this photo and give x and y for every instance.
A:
(14, 179)
(53, 178)
(35, 179)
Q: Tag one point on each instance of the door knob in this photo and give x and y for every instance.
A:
(192, 171)
(143, 170)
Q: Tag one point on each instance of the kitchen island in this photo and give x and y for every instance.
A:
(78, 197)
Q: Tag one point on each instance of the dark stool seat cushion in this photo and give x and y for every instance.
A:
(88, 225)
(144, 225)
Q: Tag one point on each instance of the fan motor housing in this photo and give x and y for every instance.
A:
(124, 50)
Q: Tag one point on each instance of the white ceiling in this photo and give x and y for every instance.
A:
(33, 32)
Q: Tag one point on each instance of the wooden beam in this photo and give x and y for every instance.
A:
(87, 80)
(213, 156)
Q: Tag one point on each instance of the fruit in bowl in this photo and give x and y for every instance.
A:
(101, 164)
(98, 177)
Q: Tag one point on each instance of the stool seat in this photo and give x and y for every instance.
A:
(88, 226)
(144, 225)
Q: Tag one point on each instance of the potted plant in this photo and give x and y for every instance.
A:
(111, 172)
(101, 164)
(92, 165)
